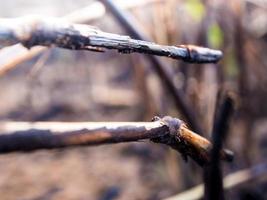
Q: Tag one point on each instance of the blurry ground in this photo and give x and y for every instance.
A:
(88, 86)
(106, 172)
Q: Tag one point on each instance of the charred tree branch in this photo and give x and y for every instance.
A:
(212, 172)
(27, 136)
(32, 31)
(128, 24)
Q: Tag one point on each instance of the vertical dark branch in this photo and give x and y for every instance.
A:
(212, 172)
(159, 67)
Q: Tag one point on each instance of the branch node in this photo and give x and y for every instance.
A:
(186, 142)
(172, 139)
(174, 125)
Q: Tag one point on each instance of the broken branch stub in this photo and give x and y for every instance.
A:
(32, 31)
(189, 143)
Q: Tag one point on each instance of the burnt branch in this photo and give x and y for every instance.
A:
(27, 136)
(213, 172)
(128, 23)
(32, 31)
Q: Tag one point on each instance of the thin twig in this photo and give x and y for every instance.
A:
(27, 136)
(33, 31)
(128, 23)
(229, 182)
(212, 172)
(20, 57)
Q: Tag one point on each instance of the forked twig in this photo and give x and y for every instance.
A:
(86, 14)
(26, 136)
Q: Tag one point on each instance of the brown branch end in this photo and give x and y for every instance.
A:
(187, 142)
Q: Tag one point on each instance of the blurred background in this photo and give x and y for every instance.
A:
(65, 85)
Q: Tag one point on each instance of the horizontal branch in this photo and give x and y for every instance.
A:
(32, 31)
(27, 136)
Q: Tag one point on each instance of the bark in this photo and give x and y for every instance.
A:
(32, 31)
(27, 136)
